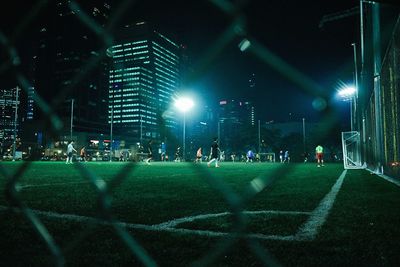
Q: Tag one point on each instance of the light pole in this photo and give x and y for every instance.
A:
(304, 136)
(72, 118)
(184, 104)
(259, 137)
(15, 121)
(111, 128)
(219, 130)
(141, 129)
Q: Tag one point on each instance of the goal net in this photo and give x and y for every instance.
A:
(351, 150)
(267, 157)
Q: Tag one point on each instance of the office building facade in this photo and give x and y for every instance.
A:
(143, 79)
(9, 122)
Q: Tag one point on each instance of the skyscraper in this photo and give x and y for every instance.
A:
(9, 103)
(65, 46)
(143, 79)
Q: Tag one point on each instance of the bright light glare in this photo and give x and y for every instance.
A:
(347, 92)
(184, 104)
(244, 44)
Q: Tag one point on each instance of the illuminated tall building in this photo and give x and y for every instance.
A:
(9, 103)
(143, 79)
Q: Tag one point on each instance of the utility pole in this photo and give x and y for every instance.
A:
(219, 130)
(15, 121)
(184, 136)
(72, 118)
(141, 129)
(111, 129)
(304, 135)
(259, 137)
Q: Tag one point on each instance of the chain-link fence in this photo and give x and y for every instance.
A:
(387, 104)
(104, 190)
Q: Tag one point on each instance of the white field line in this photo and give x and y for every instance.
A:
(18, 186)
(310, 229)
(175, 222)
(307, 231)
(164, 228)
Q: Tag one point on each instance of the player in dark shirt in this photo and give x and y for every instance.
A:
(214, 153)
(149, 152)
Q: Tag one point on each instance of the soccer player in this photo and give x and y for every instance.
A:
(150, 152)
(70, 149)
(163, 151)
(286, 157)
(178, 154)
(250, 156)
(281, 156)
(199, 155)
(214, 153)
(319, 152)
(83, 154)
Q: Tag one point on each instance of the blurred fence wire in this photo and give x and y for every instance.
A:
(237, 204)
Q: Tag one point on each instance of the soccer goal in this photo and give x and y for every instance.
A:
(351, 150)
(268, 157)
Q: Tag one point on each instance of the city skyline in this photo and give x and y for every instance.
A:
(226, 74)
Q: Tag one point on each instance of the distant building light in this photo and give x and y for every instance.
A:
(203, 123)
(223, 102)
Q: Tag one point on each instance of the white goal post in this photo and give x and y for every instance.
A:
(268, 157)
(351, 150)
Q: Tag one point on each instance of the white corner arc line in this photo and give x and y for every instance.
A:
(309, 230)
(175, 222)
(163, 228)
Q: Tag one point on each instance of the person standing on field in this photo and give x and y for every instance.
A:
(214, 153)
(149, 152)
(83, 154)
(199, 155)
(70, 149)
(319, 152)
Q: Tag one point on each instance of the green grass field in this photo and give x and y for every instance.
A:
(181, 214)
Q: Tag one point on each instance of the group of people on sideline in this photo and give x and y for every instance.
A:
(215, 156)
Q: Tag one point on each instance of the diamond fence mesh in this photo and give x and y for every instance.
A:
(104, 189)
(384, 156)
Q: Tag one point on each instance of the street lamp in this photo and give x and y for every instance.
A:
(184, 104)
(347, 94)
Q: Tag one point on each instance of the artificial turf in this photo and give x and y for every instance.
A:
(362, 228)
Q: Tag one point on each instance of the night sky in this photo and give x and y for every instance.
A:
(288, 28)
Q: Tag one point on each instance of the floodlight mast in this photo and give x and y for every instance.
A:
(184, 104)
(15, 122)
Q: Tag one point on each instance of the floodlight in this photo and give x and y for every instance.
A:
(346, 92)
(184, 104)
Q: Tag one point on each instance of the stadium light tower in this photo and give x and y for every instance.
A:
(184, 104)
(347, 94)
